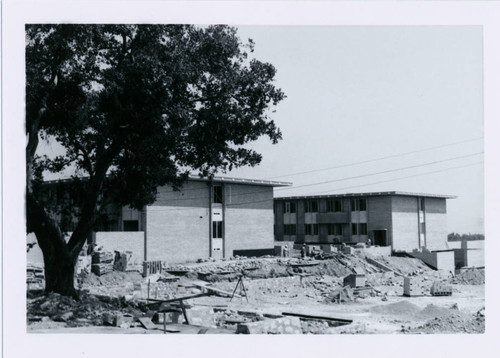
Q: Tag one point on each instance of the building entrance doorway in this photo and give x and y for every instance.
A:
(380, 237)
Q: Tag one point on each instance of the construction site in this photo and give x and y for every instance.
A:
(353, 291)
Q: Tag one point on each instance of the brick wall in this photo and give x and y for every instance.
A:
(436, 234)
(178, 223)
(404, 223)
(248, 218)
(192, 194)
(248, 229)
(122, 241)
(177, 234)
(379, 216)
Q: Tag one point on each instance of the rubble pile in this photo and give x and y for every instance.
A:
(470, 277)
(372, 290)
(89, 310)
(453, 323)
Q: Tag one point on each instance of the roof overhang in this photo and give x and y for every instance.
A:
(382, 193)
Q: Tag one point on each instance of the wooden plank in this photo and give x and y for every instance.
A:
(216, 290)
(305, 264)
(177, 298)
(147, 323)
(317, 317)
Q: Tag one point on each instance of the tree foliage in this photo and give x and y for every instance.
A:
(143, 106)
(467, 237)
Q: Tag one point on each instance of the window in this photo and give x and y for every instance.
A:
(334, 205)
(311, 206)
(217, 229)
(354, 205)
(362, 204)
(290, 229)
(311, 229)
(130, 225)
(422, 204)
(290, 207)
(335, 229)
(363, 229)
(217, 194)
(354, 229)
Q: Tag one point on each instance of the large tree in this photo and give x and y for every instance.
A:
(136, 107)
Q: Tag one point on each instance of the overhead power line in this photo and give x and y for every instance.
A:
(377, 173)
(376, 159)
(329, 191)
(396, 179)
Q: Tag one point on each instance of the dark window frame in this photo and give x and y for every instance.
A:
(354, 229)
(127, 225)
(217, 194)
(217, 230)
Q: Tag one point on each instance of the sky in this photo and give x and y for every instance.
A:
(357, 95)
(375, 108)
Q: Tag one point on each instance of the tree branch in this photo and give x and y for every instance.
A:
(88, 213)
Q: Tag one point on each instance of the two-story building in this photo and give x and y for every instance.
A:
(220, 217)
(404, 221)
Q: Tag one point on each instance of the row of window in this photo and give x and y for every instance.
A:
(359, 229)
(332, 229)
(332, 205)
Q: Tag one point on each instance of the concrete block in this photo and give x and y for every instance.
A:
(410, 288)
(168, 317)
(329, 249)
(355, 280)
(285, 325)
(348, 250)
(201, 316)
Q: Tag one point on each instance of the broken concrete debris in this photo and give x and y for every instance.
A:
(121, 298)
(122, 260)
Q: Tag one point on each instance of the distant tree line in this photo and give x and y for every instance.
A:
(468, 237)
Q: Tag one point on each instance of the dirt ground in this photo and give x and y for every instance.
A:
(273, 286)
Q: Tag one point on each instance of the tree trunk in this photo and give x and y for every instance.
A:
(58, 261)
(59, 271)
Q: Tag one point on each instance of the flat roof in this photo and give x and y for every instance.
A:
(216, 179)
(219, 179)
(380, 193)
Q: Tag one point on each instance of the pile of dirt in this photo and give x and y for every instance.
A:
(435, 311)
(405, 308)
(454, 323)
(470, 277)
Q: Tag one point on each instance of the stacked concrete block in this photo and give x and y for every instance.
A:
(285, 325)
(410, 288)
(102, 262)
(439, 288)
